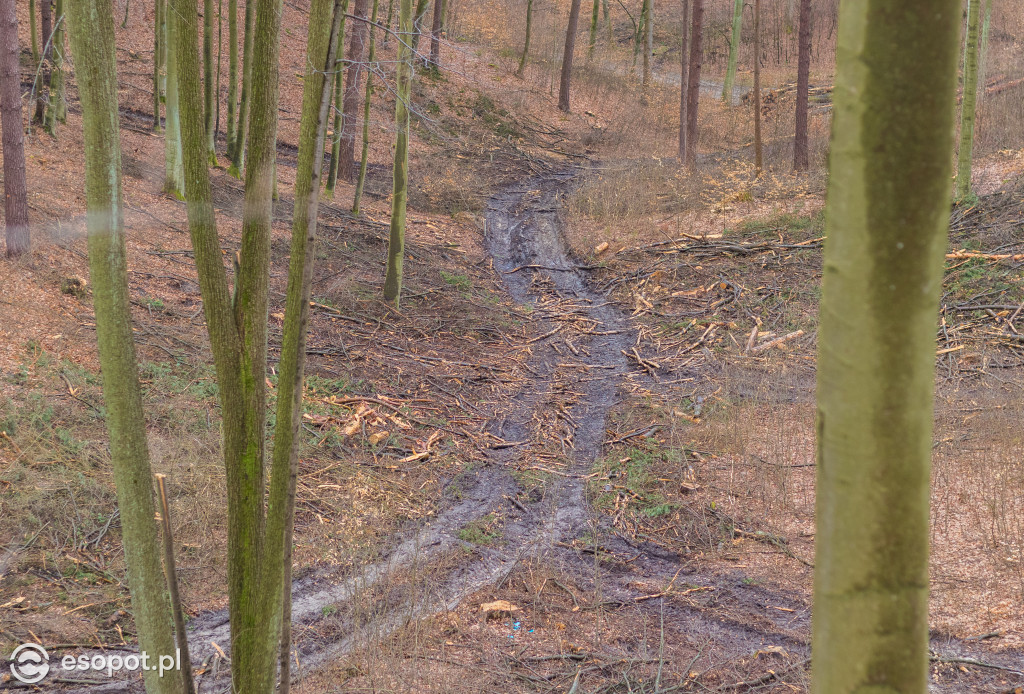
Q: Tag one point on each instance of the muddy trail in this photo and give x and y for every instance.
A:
(577, 364)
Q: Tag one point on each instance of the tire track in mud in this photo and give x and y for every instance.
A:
(429, 570)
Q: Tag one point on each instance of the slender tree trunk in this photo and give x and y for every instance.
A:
(608, 21)
(338, 101)
(220, 49)
(322, 50)
(648, 46)
(15, 193)
(92, 39)
(967, 104)
(46, 35)
(351, 102)
(983, 60)
(734, 50)
(367, 101)
(421, 11)
(526, 45)
(887, 222)
(570, 45)
(173, 167)
(592, 43)
(396, 239)
(237, 148)
(232, 75)
(56, 106)
(208, 84)
(693, 82)
(435, 34)
(158, 42)
(32, 31)
(387, 22)
(684, 73)
(758, 146)
(801, 153)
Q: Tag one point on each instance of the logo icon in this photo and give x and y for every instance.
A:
(29, 663)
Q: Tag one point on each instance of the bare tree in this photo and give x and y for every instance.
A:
(887, 227)
(435, 34)
(570, 46)
(758, 145)
(684, 53)
(693, 82)
(15, 195)
(800, 147)
(351, 102)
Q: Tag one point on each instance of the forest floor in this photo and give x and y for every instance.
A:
(596, 436)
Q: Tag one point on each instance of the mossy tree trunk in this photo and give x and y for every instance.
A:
(521, 70)
(592, 40)
(684, 72)
(237, 147)
(322, 50)
(887, 221)
(173, 167)
(208, 93)
(232, 73)
(92, 39)
(158, 20)
(371, 57)
(734, 50)
(338, 101)
(693, 82)
(986, 27)
(56, 109)
(15, 193)
(565, 84)
(801, 149)
(46, 31)
(32, 31)
(400, 190)
(421, 12)
(968, 102)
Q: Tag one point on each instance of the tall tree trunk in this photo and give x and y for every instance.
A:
(92, 39)
(351, 102)
(15, 193)
(693, 82)
(801, 154)
(208, 93)
(367, 101)
(158, 41)
(684, 73)
(435, 34)
(421, 11)
(322, 49)
(220, 49)
(32, 31)
(338, 101)
(758, 145)
(173, 167)
(606, 8)
(887, 222)
(45, 34)
(526, 45)
(232, 74)
(236, 152)
(387, 22)
(56, 108)
(967, 104)
(570, 45)
(734, 50)
(592, 43)
(983, 59)
(648, 45)
(396, 238)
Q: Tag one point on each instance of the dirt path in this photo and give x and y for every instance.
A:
(429, 569)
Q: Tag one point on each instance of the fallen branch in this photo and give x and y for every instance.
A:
(764, 347)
